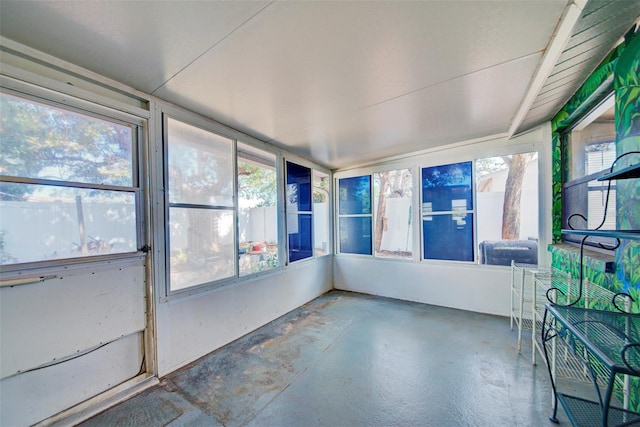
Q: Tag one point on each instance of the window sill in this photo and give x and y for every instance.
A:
(595, 260)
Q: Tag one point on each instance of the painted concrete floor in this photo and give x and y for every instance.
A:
(348, 359)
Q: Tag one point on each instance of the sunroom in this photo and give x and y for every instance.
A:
(176, 175)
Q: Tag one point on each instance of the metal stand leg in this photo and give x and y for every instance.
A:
(521, 310)
(548, 333)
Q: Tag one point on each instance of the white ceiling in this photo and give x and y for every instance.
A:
(342, 83)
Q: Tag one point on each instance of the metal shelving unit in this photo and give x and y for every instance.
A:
(619, 234)
(531, 287)
(561, 288)
(522, 300)
(607, 343)
(601, 335)
(630, 172)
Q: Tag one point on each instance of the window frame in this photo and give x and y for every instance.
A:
(472, 212)
(280, 165)
(138, 125)
(602, 244)
(204, 126)
(492, 147)
(329, 249)
(297, 212)
(537, 155)
(370, 215)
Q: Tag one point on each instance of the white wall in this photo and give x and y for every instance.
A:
(192, 326)
(465, 286)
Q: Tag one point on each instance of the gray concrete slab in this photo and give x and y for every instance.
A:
(348, 359)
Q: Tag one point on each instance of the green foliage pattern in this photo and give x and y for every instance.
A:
(623, 64)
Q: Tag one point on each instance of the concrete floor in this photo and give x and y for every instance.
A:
(348, 359)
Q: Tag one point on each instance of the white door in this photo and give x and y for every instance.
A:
(73, 252)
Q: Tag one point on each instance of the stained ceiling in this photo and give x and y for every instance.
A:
(342, 83)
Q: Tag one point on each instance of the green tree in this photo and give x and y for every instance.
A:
(46, 142)
(257, 183)
(517, 164)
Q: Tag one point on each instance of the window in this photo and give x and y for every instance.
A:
(354, 215)
(591, 149)
(507, 209)
(257, 210)
(393, 216)
(321, 223)
(299, 212)
(447, 212)
(68, 182)
(201, 207)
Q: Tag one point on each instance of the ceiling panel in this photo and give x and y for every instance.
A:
(341, 82)
(139, 43)
(468, 106)
(337, 58)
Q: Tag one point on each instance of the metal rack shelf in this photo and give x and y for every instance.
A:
(565, 289)
(606, 342)
(620, 234)
(530, 286)
(629, 172)
(604, 337)
(582, 412)
(522, 279)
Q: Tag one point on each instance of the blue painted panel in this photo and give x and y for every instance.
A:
(300, 245)
(355, 235)
(299, 186)
(448, 237)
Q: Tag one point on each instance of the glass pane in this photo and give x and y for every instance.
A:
(355, 195)
(448, 236)
(201, 246)
(45, 142)
(298, 188)
(321, 213)
(257, 210)
(592, 142)
(299, 232)
(600, 156)
(355, 235)
(42, 222)
(447, 188)
(591, 149)
(586, 202)
(392, 197)
(200, 166)
(507, 207)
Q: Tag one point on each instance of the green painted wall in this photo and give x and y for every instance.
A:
(620, 71)
(627, 121)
